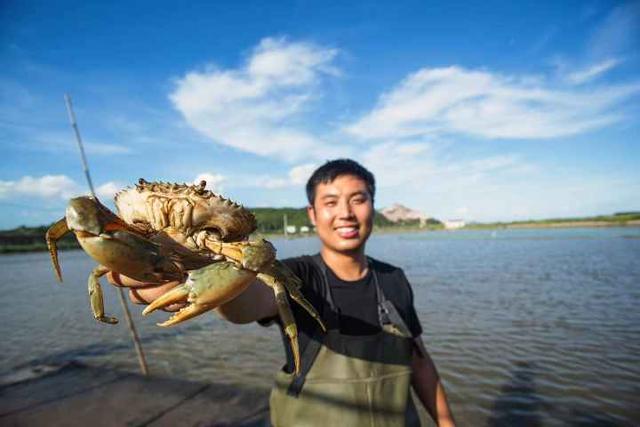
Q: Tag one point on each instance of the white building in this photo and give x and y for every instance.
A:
(453, 224)
(291, 229)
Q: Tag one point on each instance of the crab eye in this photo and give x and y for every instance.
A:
(213, 231)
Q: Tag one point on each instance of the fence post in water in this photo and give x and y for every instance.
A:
(127, 314)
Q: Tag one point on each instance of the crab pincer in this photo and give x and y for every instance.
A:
(205, 289)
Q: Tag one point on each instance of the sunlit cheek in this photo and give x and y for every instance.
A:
(325, 215)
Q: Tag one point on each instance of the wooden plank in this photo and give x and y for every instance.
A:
(80, 395)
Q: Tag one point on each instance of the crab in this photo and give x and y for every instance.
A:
(165, 232)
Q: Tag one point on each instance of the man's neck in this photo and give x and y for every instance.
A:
(347, 266)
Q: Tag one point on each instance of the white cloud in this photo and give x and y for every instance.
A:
(105, 149)
(254, 108)
(45, 187)
(296, 177)
(590, 73)
(416, 166)
(52, 187)
(214, 181)
(300, 174)
(419, 176)
(454, 100)
(108, 190)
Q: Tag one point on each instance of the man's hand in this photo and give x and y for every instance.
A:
(143, 292)
(255, 303)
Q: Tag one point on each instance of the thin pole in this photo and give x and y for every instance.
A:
(284, 220)
(142, 361)
(85, 166)
(83, 157)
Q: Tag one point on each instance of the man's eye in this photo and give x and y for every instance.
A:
(359, 200)
(330, 203)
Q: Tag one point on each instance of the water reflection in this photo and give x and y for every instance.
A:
(518, 403)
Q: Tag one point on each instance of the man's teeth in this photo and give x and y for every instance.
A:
(346, 229)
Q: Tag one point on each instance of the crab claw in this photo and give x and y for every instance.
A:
(204, 290)
(175, 295)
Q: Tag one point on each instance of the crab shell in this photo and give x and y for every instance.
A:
(184, 212)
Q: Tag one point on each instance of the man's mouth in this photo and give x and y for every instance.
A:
(348, 232)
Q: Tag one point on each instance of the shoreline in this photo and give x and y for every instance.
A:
(555, 224)
(34, 248)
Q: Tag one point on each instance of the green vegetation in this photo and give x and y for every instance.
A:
(30, 239)
(617, 219)
(271, 221)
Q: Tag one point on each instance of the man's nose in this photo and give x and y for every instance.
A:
(345, 210)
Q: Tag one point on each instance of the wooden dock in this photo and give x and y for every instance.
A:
(75, 394)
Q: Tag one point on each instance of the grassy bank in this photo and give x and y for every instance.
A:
(622, 219)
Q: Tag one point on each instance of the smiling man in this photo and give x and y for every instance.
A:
(361, 370)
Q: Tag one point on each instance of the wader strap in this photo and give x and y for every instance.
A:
(387, 313)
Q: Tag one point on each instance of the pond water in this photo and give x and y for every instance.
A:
(527, 327)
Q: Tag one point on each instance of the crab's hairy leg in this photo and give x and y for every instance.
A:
(96, 297)
(280, 273)
(252, 255)
(297, 296)
(286, 316)
(231, 251)
(55, 233)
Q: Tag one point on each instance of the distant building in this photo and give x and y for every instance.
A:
(453, 224)
(291, 229)
(304, 229)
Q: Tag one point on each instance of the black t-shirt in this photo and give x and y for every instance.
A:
(355, 300)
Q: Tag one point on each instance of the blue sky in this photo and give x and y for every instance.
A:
(483, 111)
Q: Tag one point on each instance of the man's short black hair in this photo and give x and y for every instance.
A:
(335, 168)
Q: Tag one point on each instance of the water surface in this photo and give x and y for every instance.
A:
(527, 327)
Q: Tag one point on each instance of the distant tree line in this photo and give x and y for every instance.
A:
(271, 220)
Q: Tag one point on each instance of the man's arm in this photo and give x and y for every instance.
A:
(426, 383)
(255, 303)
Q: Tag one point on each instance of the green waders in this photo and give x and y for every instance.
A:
(352, 380)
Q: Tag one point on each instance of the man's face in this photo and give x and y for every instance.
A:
(343, 213)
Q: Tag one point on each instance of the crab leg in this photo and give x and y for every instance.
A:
(55, 233)
(280, 273)
(96, 297)
(286, 316)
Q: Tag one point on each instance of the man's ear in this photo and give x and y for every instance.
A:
(311, 213)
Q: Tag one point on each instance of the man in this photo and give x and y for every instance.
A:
(360, 371)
